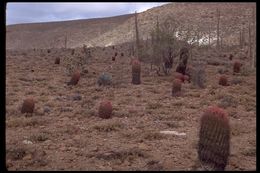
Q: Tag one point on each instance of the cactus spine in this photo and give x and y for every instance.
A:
(214, 139)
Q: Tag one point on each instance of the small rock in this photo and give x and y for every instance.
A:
(66, 109)
(46, 109)
(76, 97)
(63, 148)
(95, 149)
(28, 157)
(27, 142)
(77, 137)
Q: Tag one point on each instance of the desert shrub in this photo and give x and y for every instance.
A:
(198, 77)
(104, 79)
(228, 101)
(236, 81)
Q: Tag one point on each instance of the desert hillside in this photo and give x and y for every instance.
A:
(119, 29)
(101, 108)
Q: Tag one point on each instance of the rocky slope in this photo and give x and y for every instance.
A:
(119, 29)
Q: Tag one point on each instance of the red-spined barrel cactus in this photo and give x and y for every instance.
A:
(113, 58)
(105, 109)
(176, 87)
(236, 67)
(223, 80)
(179, 76)
(57, 60)
(75, 78)
(186, 78)
(136, 72)
(28, 105)
(214, 139)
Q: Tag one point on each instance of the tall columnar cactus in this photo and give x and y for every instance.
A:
(176, 87)
(236, 67)
(28, 105)
(105, 109)
(136, 72)
(214, 139)
(223, 80)
(74, 78)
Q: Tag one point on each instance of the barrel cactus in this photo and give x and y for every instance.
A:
(176, 87)
(104, 79)
(230, 57)
(105, 109)
(28, 105)
(214, 139)
(236, 67)
(57, 60)
(136, 72)
(75, 78)
(223, 80)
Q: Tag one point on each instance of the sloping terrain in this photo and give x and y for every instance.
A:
(119, 29)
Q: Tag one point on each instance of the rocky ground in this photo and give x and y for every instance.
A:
(65, 133)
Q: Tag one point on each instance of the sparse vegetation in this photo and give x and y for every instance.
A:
(75, 124)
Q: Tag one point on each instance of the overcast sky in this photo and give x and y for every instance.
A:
(44, 12)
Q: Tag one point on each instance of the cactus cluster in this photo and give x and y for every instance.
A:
(236, 67)
(74, 78)
(28, 105)
(104, 79)
(214, 139)
(223, 80)
(176, 87)
(105, 109)
(136, 72)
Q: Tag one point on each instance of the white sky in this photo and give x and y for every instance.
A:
(45, 12)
